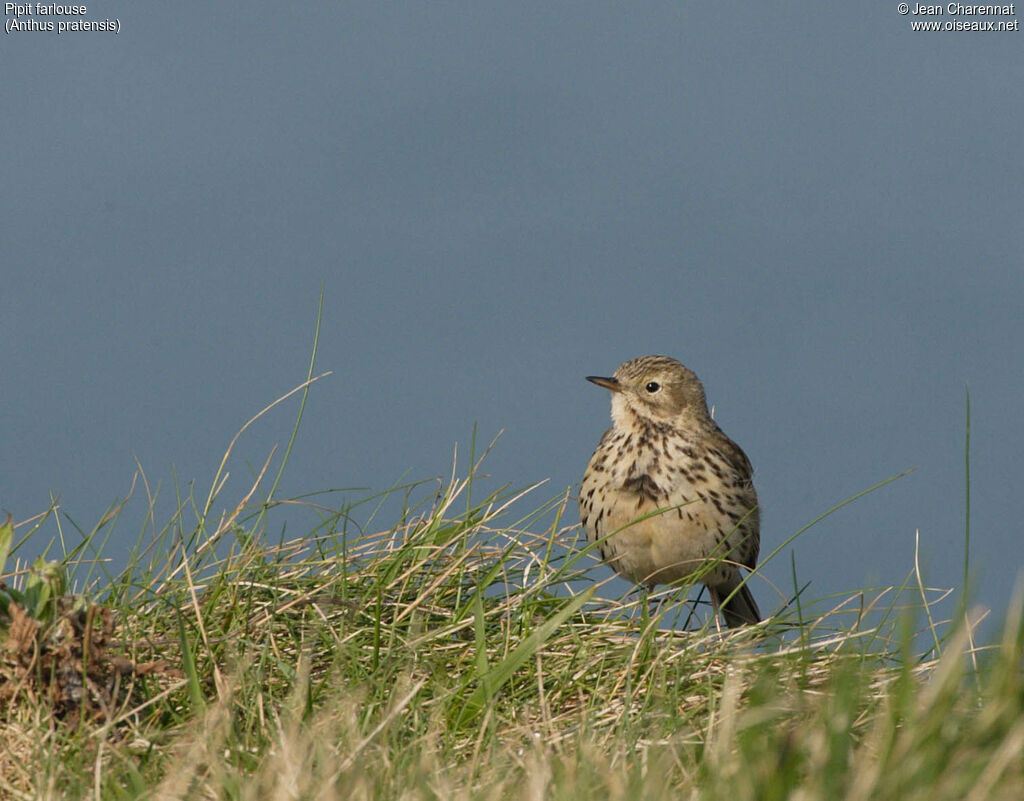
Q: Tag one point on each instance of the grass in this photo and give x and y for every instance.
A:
(468, 650)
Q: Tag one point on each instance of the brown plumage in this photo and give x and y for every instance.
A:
(677, 492)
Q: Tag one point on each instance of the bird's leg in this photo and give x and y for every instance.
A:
(714, 606)
(643, 598)
(656, 608)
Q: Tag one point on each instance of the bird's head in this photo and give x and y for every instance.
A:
(655, 388)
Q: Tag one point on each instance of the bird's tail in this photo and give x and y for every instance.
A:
(741, 610)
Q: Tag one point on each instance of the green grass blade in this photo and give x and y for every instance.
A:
(502, 672)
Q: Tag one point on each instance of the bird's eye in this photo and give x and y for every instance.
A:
(652, 386)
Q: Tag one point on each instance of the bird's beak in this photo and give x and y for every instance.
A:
(608, 383)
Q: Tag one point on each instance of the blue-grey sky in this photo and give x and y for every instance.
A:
(816, 208)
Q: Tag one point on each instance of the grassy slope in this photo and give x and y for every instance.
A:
(458, 655)
(464, 652)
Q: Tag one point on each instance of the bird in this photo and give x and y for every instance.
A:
(667, 495)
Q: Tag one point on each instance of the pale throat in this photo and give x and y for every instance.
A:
(623, 418)
(626, 418)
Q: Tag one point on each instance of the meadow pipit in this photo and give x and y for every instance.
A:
(673, 491)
